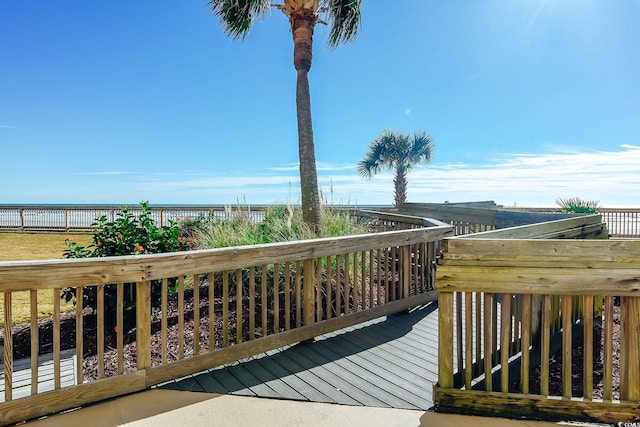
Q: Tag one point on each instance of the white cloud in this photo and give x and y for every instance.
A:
(107, 173)
(612, 178)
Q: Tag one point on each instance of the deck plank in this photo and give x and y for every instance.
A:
(280, 373)
(386, 362)
(307, 371)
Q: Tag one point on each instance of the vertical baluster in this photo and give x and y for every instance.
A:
(526, 342)
(545, 329)
(488, 340)
(56, 338)
(505, 341)
(415, 282)
(287, 296)
(362, 287)
(100, 332)
(371, 281)
(459, 331)
(35, 341)
(394, 261)
(120, 326)
(588, 346)
(566, 345)
(164, 305)
(468, 337)
(79, 336)
(354, 284)
(607, 393)
(8, 349)
(478, 340)
(318, 291)
(196, 314)
(338, 290)
(181, 317)
(495, 359)
(263, 283)
(276, 298)
(347, 283)
(225, 309)
(212, 310)
(252, 302)
(379, 276)
(329, 287)
(239, 318)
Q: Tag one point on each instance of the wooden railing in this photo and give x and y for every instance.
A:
(621, 222)
(250, 299)
(465, 217)
(511, 314)
(484, 216)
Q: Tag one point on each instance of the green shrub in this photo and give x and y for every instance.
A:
(575, 205)
(128, 234)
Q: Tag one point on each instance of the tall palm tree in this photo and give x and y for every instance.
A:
(400, 152)
(343, 18)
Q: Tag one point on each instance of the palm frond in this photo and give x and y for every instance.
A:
(344, 20)
(367, 168)
(237, 16)
(422, 147)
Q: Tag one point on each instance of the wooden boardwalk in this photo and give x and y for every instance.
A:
(388, 362)
(22, 374)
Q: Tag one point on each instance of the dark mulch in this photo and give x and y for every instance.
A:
(22, 336)
(577, 355)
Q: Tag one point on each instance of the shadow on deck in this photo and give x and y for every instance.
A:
(390, 362)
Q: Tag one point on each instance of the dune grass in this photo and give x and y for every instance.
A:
(282, 223)
(20, 246)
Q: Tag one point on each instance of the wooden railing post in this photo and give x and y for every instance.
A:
(308, 292)
(405, 271)
(445, 339)
(143, 324)
(630, 348)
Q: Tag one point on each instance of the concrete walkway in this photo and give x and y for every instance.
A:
(156, 408)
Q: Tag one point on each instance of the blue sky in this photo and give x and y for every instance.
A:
(122, 101)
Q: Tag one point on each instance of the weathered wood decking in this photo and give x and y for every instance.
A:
(22, 374)
(388, 362)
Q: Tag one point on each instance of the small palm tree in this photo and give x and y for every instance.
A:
(343, 18)
(400, 152)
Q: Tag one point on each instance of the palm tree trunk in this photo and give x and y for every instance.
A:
(400, 181)
(302, 25)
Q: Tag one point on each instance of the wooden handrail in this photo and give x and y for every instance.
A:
(338, 281)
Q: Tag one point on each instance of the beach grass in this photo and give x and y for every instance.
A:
(20, 246)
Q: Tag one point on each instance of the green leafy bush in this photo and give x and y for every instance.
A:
(128, 234)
